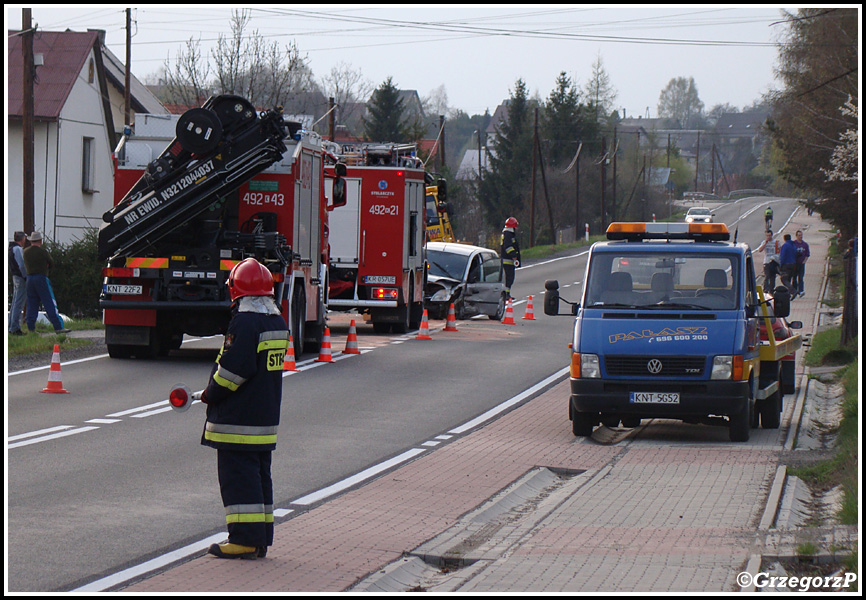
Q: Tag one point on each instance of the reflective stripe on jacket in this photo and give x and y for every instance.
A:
(245, 388)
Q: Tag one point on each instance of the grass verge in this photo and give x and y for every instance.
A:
(37, 344)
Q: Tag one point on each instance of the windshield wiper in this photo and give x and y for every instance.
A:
(666, 304)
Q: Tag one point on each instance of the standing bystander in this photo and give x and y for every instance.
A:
(770, 248)
(38, 263)
(802, 257)
(19, 281)
(788, 261)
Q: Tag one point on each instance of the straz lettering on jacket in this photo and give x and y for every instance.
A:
(667, 334)
(184, 182)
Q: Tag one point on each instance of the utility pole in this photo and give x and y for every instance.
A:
(127, 108)
(613, 184)
(603, 180)
(331, 119)
(532, 192)
(27, 185)
(577, 193)
(697, 160)
(442, 144)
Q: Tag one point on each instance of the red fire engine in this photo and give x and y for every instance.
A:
(232, 183)
(377, 238)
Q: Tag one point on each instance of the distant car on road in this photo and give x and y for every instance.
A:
(471, 277)
(699, 214)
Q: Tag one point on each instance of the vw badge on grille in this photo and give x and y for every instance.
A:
(654, 366)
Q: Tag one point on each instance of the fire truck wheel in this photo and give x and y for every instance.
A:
(119, 350)
(299, 316)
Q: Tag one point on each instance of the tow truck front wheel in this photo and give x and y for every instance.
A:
(582, 423)
(740, 423)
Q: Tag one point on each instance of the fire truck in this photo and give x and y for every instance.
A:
(377, 264)
(198, 193)
(439, 214)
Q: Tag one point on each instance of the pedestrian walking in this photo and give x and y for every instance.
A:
(243, 399)
(802, 257)
(38, 263)
(510, 251)
(788, 264)
(19, 281)
(770, 248)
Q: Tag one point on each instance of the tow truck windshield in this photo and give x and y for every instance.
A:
(662, 280)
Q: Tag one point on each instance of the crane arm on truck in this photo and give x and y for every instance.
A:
(217, 148)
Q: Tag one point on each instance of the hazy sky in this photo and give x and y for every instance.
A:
(477, 52)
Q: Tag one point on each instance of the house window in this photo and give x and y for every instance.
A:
(87, 165)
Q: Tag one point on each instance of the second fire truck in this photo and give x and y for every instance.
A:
(377, 263)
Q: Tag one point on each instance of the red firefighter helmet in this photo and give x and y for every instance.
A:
(250, 278)
(511, 222)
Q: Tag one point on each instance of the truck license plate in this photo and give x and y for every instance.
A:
(123, 290)
(654, 397)
(380, 279)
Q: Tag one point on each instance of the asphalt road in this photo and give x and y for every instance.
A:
(106, 476)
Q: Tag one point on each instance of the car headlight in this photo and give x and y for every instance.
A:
(585, 366)
(689, 219)
(440, 296)
(728, 367)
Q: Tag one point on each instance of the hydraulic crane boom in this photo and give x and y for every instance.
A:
(217, 148)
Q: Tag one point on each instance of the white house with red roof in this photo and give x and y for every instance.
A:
(78, 108)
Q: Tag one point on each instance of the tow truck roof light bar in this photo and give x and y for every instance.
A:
(668, 231)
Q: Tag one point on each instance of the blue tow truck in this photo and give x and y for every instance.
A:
(668, 327)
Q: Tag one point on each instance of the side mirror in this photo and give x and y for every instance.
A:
(551, 297)
(339, 189)
(442, 186)
(795, 325)
(781, 301)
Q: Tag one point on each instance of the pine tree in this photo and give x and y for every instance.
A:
(385, 121)
(505, 188)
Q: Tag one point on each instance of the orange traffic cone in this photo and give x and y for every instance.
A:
(509, 314)
(352, 340)
(325, 351)
(54, 385)
(289, 362)
(424, 334)
(451, 323)
(530, 313)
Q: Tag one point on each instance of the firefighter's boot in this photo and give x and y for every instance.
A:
(229, 550)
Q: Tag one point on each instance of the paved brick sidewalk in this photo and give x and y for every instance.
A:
(674, 508)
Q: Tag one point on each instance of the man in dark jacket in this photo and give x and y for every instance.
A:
(243, 398)
(510, 251)
(38, 264)
(788, 260)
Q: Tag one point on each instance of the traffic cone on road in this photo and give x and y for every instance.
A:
(451, 323)
(54, 385)
(325, 351)
(509, 314)
(530, 313)
(424, 334)
(352, 340)
(289, 362)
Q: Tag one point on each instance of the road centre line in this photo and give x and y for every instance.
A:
(40, 432)
(50, 437)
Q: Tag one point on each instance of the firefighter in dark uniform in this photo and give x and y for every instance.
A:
(243, 410)
(510, 251)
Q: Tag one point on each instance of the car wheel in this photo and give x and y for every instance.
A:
(500, 309)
